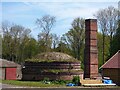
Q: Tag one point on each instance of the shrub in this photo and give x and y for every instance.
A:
(76, 80)
(46, 79)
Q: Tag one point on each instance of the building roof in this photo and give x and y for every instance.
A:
(113, 62)
(6, 63)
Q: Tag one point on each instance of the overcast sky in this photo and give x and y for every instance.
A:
(25, 13)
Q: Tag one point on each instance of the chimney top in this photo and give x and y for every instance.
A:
(91, 20)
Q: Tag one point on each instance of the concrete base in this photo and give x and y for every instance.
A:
(90, 81)
(95, 85)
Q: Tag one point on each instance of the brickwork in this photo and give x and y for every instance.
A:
(91, 52)
(51, 70)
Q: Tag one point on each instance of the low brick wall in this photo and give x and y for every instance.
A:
(51, 70)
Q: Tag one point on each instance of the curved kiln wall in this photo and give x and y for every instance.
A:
(51, 70)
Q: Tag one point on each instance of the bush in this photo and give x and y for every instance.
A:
(46, 79)
(76, 80)
(61, 81)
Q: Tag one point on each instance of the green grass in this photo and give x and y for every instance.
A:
(32, 83)
(60, 83)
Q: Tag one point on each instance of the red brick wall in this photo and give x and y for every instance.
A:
(41, 70)
(91, 53)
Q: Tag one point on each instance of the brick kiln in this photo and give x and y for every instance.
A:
(52, 65)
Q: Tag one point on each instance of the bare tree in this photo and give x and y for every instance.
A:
(102, 21)
(107, 20)
(112, 24)
(46, 24)
(55, 40)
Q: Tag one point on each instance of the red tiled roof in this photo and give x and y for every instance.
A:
(113, 62)
(6, 63)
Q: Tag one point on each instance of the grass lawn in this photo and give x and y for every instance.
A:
(33, 83)
(42, 84)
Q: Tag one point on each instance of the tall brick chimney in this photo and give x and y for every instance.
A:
(91, 52)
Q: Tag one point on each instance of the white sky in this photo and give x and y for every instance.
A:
(25, 13)
(59, 0)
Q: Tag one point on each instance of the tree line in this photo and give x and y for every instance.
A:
(18, 44)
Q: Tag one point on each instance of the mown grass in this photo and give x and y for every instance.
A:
(42, 84)
(32, 83)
